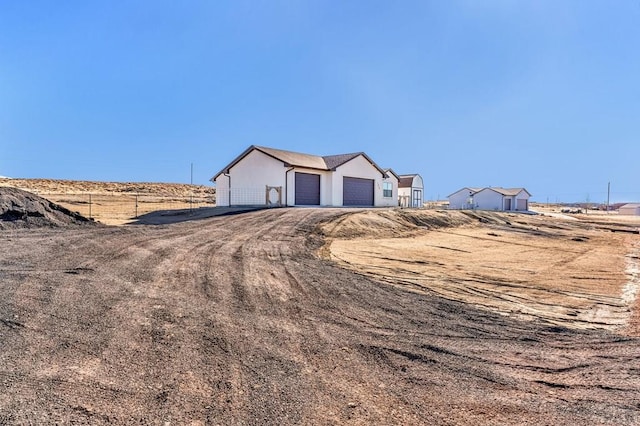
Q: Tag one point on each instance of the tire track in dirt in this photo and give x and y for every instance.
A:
(157, 333)
(493, 285)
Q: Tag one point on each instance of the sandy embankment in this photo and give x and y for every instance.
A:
(573, 273)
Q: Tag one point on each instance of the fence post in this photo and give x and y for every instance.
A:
(90, 206)
(136, 206)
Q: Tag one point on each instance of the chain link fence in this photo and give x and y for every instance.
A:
(271, 196)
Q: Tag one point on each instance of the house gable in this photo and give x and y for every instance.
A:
(287, 158)
(256, 170)
(359, 166)
(391, 174)
(411, 181)
(335, 161)
(468, 190)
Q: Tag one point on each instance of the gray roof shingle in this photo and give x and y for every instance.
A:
(335, 161)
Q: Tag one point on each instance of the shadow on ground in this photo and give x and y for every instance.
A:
(165, 217)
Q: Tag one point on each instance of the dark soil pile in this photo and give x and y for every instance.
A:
(22, 209)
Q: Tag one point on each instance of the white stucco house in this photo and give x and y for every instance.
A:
(490, 198)
(632, 209)
(275, 177)
(411, 190)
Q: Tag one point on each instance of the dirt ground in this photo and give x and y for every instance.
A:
(247, 319)
(531, 267)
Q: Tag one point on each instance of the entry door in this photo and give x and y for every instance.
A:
(417, 198)
(307, 191)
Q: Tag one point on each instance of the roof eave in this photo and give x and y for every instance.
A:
(234, 162)
(467, 188)
(387, 171)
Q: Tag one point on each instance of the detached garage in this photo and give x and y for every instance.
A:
(261, 175)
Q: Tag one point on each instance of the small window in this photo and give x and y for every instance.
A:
(387, 189)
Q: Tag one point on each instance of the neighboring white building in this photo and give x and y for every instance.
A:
(490, 198)
(411, 191)
(632, 209)
(268, 176)
(462, 199)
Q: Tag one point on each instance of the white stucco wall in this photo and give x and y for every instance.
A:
(488, 199)
(251, 175)
(222, 191)
(393, 200)
(358, 167)
(460, 199)
(522, 195)
(629, 211)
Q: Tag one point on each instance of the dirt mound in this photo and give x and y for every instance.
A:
(22, 209)
(386, 223)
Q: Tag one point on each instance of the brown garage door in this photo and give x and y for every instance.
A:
(357, 191)
(307, 189)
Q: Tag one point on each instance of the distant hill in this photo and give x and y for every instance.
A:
(57, 186)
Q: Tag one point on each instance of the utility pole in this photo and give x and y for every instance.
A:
(191, 190)
(608, 195)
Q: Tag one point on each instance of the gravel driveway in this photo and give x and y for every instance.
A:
(235, 320)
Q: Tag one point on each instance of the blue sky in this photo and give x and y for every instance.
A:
(540, 94)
